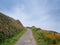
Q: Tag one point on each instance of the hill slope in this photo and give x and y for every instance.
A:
(9, 27)
(45, 37)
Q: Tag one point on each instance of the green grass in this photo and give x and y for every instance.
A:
(9, 28)
(12, 41)
(40, 39)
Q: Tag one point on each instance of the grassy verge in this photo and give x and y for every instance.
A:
(42, 37)
(39, 39)
(12, 40)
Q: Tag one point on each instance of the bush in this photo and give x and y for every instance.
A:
(9, 27)
(44, 37)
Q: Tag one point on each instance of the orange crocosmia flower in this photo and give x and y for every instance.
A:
(57, 35)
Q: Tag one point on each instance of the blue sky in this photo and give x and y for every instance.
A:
(40, 13)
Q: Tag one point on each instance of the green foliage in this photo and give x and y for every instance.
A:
(12, 40)
(44, 37)
(8, 27)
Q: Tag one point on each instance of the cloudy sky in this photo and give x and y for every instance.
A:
(40, 13)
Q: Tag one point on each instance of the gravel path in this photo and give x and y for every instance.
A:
(26, 39)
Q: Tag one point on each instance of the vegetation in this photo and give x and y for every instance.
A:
(44, 37)
(9, 27)
(11, 41)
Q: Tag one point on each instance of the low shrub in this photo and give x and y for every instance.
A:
(44, 37)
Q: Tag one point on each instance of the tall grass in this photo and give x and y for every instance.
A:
(12, 40)
(44, 37)
(9, 27)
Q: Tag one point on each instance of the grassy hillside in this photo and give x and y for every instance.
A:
(45, 37)
(9, 27)
(14, 39)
